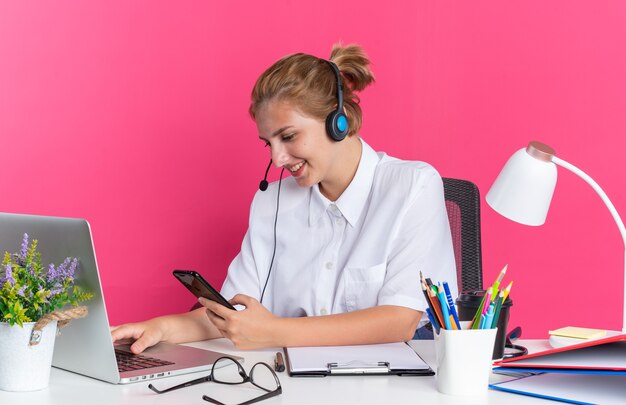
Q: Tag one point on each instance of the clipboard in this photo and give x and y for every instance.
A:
(380, 359)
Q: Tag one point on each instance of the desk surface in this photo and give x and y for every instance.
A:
(71, 389)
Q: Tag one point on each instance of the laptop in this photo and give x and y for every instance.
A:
(85, 346)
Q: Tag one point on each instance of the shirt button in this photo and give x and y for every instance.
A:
(323, 311)
(339, 222)
(329, 265)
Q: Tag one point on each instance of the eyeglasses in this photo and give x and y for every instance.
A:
(227, 370)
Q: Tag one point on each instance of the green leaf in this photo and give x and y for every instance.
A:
(37, 299)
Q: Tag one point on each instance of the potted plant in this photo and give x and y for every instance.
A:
(34, 302)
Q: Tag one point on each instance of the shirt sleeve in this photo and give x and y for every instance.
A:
(422, 243)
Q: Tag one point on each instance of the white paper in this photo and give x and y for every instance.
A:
(400, 356)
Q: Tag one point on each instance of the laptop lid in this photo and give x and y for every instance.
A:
(85, 346)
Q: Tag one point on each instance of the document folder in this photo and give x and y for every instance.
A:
(602, 354)
(573, 388)
(592, 372)
(386, 359)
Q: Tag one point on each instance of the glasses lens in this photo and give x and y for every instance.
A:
(263, 376)
(227, 371)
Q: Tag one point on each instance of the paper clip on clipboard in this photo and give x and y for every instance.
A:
(358, 368)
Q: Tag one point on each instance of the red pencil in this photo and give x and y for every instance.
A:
(437, 306)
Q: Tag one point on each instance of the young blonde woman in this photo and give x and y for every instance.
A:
(333, 252)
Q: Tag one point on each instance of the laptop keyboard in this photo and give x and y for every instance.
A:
(128, 361)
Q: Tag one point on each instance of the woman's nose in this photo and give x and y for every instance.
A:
(279, 155)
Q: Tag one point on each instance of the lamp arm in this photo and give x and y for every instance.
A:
(610, 206)
(601, 193)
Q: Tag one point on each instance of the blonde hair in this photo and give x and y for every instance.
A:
(310, 83)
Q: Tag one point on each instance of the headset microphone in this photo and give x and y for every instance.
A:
(263, 185)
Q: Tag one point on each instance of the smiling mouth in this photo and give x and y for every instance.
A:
(296, 167)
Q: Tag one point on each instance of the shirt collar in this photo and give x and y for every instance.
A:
(353, 199)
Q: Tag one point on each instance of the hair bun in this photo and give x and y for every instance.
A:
(353, 64)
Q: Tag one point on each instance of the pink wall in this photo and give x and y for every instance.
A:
(134, 116)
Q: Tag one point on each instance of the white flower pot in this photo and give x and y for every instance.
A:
(24, 367)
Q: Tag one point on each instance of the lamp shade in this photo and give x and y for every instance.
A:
(523, 190)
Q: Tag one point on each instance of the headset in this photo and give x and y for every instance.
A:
(337, 122)
(337, 128)
(514, 350)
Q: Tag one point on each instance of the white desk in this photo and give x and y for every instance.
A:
(71, 389)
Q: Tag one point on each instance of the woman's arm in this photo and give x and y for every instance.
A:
(187, 327)
(382, 324)
(255, 327)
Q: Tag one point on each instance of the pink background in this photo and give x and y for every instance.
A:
(134, 116)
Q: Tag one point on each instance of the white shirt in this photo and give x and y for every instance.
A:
(365, 249)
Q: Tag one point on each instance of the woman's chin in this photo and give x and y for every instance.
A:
(304, 181)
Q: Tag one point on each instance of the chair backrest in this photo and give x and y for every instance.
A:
(463, 205)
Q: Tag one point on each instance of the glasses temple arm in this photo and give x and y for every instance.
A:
(179, 386)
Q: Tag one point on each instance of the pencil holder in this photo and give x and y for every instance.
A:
(468, 303)
(464, 360)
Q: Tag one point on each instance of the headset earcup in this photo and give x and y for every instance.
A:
(337, 126)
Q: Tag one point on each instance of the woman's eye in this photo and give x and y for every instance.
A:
(287, 138)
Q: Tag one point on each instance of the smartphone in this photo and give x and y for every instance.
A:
(200, 287)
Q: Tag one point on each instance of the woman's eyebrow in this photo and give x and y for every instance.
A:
(277, 132)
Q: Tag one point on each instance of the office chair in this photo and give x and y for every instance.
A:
(463, 206)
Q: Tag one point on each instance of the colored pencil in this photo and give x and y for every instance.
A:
(444, 310)
(476, 319)
(507, 290)
(499, 302)
(451, 306)
(433, 321)
(425, 290)
(487, 302)
(496, 284)
(436, 306)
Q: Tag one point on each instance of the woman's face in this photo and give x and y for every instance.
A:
(298, 142)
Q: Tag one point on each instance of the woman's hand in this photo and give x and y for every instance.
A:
(186, 327)
(144, 334)
(252, 328)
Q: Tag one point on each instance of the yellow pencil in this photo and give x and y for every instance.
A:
(507, 290)
(453, 323)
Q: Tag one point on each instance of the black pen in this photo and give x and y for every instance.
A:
(279, 364)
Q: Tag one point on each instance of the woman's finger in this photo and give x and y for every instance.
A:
(217, 309)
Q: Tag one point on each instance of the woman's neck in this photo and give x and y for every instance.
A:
(344, 169)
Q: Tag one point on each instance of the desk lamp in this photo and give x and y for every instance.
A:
(523, 190)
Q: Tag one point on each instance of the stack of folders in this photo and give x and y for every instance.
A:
(592, 372)
(442, 312)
